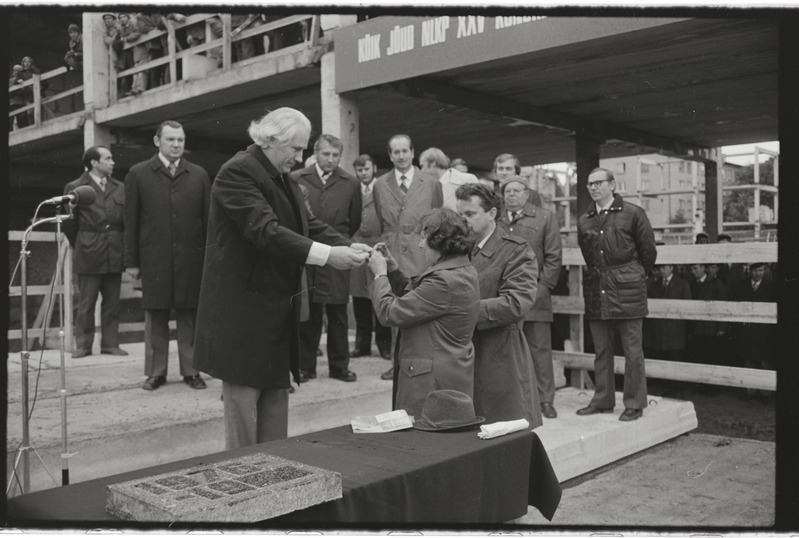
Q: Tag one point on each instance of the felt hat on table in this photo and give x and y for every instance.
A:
(446, 410)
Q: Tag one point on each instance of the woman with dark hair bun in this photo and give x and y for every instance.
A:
(435, 312)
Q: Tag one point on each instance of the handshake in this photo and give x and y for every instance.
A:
(379, 258)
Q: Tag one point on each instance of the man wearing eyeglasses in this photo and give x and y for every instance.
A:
(618, 245)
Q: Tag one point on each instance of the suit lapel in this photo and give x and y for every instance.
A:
(290, 193)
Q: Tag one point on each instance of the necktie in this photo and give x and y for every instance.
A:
(755, 285)
(665, 282)
(172, 169)
(103, 181)
(513, 215)
(403, 186)
(325, 177)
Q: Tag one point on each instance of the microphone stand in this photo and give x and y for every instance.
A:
(22, 453)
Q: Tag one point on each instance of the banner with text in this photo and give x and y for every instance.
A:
(386, 49)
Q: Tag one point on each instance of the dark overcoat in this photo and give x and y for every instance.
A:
(259, 236)
(165, 225)
(539, 227)
(368, 234)
(435, 313)
(96, 232)
(666, 334)
(618, 245)
(712, 289)
(755, 342)
(504, 381)
(401, 215)
(337, 203)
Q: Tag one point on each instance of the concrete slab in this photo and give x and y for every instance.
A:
(577, 444)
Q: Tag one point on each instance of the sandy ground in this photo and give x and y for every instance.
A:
(720, 475)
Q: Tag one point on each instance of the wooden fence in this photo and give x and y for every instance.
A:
(729, 311)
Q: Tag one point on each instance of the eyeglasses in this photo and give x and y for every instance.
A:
(596, 184)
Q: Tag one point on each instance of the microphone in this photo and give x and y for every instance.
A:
(83, 195)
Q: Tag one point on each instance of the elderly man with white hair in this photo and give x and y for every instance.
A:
(260, 237)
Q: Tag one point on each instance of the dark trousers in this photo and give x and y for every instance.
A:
(338, 353)
(705, 349)
(365, 321)
(156, 341)
(634, 374)
(90, 286)
(539, 340)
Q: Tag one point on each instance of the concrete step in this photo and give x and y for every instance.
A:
(113, 425)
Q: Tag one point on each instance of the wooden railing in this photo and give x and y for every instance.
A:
(726, 311)
(42, 107)
(175, 53)
(64, 266)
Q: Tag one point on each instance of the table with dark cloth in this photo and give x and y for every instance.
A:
(408, 476)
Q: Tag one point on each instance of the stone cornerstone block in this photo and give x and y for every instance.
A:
(241, 490)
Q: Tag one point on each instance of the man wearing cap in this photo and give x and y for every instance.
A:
(754, 341)
(507, 165)
(539, 228)
(507, 271)
(618, 245)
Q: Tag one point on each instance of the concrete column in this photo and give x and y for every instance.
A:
(713, 198)
(587, 158)
(339, 113)
(94, 134)
(96, 63)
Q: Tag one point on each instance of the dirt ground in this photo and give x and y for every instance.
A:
(720, 475)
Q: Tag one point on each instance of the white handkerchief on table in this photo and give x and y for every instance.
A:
(489, 431)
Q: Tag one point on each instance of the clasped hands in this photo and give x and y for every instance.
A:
(379, 258)
(349, 257)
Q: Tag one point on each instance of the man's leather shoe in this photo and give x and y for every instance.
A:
(386, 354)
(388, 375)
(548, 410)
(345, 375)
(631, 414)
(119, 352)
(80, 353)
(153, 382)
(591, 410)
(194, 381)
(359, 353)
(306, 376)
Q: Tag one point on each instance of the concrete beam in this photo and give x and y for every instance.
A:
(521, 114)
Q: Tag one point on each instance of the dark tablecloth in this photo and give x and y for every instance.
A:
(404, 477)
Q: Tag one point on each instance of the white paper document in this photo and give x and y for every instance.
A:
(386, 422)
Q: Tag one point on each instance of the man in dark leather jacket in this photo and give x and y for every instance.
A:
(618, 245)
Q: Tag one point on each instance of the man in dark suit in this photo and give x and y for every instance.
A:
(96, 235)
(260, 237)
(666, 338)
(706, 335)
(334, 197)
(368, 233)
(166, 216)
(402, 197)
(755, 341)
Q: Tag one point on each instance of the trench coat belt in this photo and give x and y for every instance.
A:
(405, 229)
(610, 267)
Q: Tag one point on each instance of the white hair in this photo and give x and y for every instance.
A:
(278, 127)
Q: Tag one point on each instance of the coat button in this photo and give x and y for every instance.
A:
(601, 232)
(410, 368)
(603, 291)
